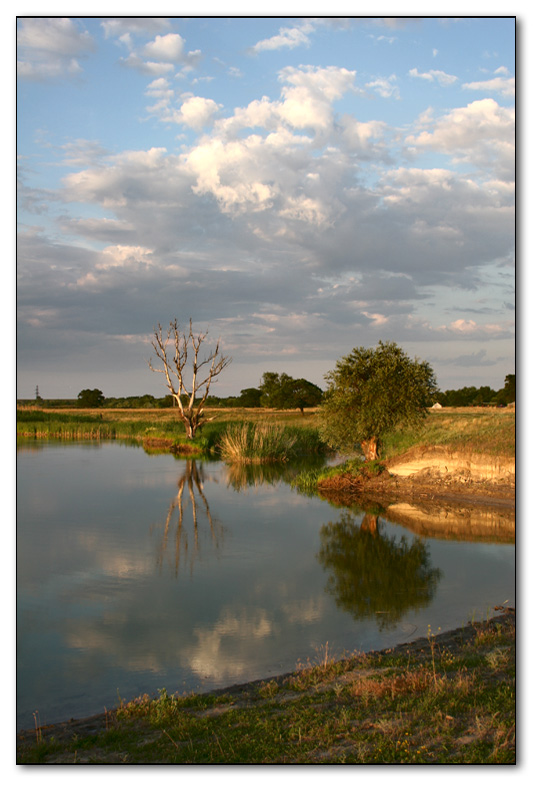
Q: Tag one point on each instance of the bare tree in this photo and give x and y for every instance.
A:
(184, 353)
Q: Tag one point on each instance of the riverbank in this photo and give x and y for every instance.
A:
(424, 488)
(446, 698)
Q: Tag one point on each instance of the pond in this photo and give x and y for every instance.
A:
(138, 572)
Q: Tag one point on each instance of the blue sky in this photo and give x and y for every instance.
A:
(298, 186)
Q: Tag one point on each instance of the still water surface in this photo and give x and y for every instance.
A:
(138, 572)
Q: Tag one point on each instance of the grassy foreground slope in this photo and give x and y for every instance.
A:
(443, 699)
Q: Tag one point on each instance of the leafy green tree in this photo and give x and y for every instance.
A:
(250, 398)
(371, 392)
(305, 394)
(508, 393)
(274, 389)
(90, 398)
(283, 391)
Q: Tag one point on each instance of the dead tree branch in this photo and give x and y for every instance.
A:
(175, 349)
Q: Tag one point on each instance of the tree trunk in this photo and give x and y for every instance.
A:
(370, 449)
(370, 524)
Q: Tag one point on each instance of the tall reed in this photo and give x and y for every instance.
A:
(250, 443)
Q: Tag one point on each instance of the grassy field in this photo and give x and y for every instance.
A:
(490, 431)
(485, 430)
(161, 427)
(445, 699)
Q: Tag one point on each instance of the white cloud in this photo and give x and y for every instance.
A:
(117, 256)
(385, 87)
(49, 48)
(309, 92)
(137, 26)
(287, 37)
(234, 172)
(470, 328)
(197, 112)
(147, 67)
(170, 47)
(442, 78)
(159, 56)
(503, 86)
(59, 36)
(481, 133)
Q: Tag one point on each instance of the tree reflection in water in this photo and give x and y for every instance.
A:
(375, 575)
(190, 494)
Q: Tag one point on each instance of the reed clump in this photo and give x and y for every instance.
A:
(250, 443)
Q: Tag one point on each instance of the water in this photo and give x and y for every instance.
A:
(137, 573)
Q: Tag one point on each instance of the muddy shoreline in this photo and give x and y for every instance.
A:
(423, 489)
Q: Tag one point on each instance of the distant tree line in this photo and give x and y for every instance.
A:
(278, 391)
(484, 396)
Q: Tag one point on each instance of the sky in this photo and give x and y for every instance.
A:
(296, 186)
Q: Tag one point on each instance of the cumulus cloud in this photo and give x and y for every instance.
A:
(49, 48)
(385, 87)
(434, 75)
(284, 202)
(133, 61)
(159, 56)
(170, 47)
(296, 36)
(468, 327)
(482, 133)
(503, 86)
(120, 26)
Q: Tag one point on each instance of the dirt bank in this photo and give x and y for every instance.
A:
(445, 462)
(429, 476)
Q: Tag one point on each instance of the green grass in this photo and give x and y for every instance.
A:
(441, 700)
(307, 481)
(259, 435)
(487, 431)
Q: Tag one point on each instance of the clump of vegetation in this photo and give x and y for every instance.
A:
(248, 442)
(444, 699)
(351, 472)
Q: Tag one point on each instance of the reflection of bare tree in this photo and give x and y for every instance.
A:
(190, 492)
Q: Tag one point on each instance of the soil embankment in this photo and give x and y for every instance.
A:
(429, 476)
